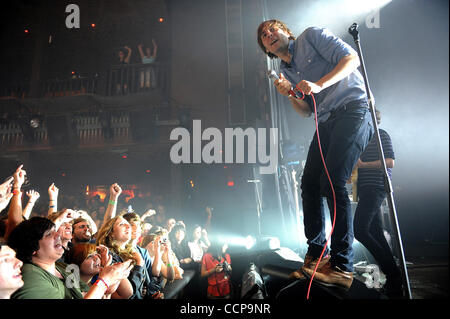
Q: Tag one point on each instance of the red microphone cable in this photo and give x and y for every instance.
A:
(332, 189)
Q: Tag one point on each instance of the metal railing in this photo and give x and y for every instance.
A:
(119, 80)
(134, 78)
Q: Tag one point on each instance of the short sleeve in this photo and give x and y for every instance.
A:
(386, 141)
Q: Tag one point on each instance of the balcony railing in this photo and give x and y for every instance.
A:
(134, 78)
(119, 80)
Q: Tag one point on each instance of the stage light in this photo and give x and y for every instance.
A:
(249, 242)
(267, 243)
(274, 243)
(34, 122)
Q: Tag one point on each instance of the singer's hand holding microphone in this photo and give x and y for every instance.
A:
(283, 86)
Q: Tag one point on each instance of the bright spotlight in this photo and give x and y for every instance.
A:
(262, 242)
(249, 242)
(274, 243)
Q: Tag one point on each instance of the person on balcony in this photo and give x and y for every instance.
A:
(123, 58)
(147, 75)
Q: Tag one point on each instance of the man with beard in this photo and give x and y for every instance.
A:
(84, 229)
(319, 63)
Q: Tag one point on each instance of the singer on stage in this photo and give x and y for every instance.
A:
(320, 63)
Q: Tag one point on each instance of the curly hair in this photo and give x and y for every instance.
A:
(268, 24)
(24, 239)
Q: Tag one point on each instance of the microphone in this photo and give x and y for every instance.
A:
(274, 76)
(253, 181)
(353, 30)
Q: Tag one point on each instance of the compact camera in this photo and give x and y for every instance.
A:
(225, 266)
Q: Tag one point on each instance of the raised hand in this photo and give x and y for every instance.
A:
(148, 213)
(209, 211)
(70, 214)
(5, 188)
(5, 193)
(19, 177)
(4, 200)
(115, 190)
(32, 195)
(53, 191)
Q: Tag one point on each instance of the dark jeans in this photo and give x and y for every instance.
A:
(343, 138)
(369, 231)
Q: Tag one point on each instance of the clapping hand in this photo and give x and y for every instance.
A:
(114, 273)
(105, 257)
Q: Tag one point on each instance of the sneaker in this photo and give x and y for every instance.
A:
(311, 263)
(331, 276)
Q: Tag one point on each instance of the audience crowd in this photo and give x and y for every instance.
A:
(93, 250)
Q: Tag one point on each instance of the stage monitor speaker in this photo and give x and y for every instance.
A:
(284, 257)
(276, 266)
(61, 131)
(299, 288)
(142, 125)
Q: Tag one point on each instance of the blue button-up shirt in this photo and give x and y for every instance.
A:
(315, 53)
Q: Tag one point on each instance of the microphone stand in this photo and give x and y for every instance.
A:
(258, 204)
(353, 30)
